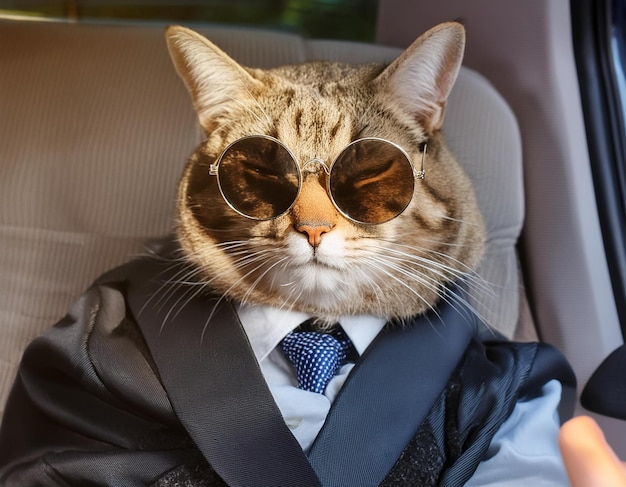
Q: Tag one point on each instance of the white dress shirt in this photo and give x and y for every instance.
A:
(523, 452)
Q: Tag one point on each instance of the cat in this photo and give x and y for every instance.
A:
(325, 189)
(312, 258)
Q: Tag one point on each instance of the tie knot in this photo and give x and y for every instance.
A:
(317, 356)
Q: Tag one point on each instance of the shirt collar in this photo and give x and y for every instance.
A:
(266, 326)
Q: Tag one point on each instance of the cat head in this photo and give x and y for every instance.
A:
(313, 257)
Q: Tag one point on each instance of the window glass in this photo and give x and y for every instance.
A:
(331, 19)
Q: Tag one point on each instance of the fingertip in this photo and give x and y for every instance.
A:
(587, 456)
(580, 429)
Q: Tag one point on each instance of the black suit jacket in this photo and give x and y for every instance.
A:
(146, 382)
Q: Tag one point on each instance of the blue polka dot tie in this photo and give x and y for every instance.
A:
(317, 356)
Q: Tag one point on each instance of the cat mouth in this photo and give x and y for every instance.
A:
(315, 259)
(316, 263)
(321, 262)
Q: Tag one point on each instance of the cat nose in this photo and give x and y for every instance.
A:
(314, 231)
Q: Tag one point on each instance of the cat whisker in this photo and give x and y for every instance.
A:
(443, 216)
(290, 301)
(445, 271)
(169, 285)
(402, 266)
(376, 289)
(381, 266)
(460, 270)
(433, 267)
(192, 292)
(186, 277)
(231, 287)
(260, 277)
(410, 273)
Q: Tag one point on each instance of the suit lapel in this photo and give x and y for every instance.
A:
(217, 389)
(214, 382)
(388, 395)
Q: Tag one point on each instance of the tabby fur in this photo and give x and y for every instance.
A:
(312, 258)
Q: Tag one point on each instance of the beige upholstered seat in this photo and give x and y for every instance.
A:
(95, 128)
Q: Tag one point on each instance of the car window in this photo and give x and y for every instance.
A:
(331, 19)
(599, 37)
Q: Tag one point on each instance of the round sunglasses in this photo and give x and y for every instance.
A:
(371, 181)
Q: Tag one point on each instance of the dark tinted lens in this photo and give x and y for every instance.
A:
(372, 181)
(258, 177)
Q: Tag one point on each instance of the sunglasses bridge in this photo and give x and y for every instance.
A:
(317, 162)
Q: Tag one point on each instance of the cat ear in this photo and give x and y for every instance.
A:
(215, 81)
(422, 77)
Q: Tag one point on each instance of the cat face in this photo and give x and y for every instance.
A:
(313, 257)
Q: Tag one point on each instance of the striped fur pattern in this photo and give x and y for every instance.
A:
(312, 258)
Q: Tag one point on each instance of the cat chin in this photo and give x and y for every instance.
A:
(312, 282)
(319, 275)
